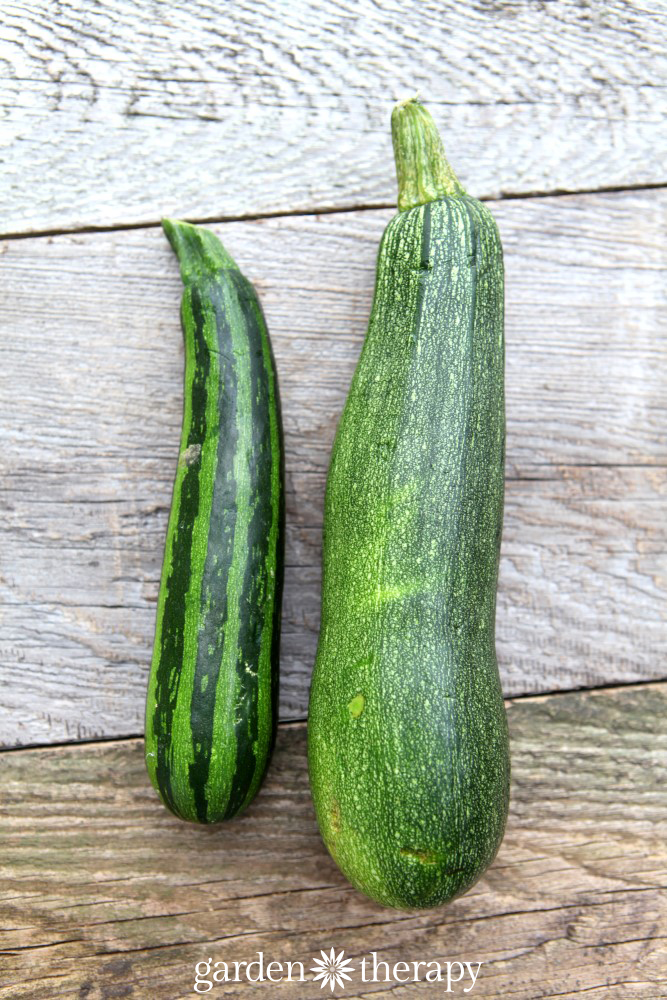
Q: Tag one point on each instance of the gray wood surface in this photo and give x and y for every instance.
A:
(118, 113)
(112, 115)
(90, 409)
(104, 894)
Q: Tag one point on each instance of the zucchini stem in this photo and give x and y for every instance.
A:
(199, 251)
(423, 171)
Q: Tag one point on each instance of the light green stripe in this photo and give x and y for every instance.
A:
(172, 533)
(223, 751)
(182, 743)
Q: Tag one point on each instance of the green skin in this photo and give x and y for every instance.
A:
(212, 694)
(408, 743)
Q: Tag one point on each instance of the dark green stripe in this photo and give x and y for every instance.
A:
(171, 655)
(218, 558)
(425, 263)
(279, 560)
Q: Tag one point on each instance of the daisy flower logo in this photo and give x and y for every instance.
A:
(332, 969)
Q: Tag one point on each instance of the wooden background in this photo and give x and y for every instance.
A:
(271, 123)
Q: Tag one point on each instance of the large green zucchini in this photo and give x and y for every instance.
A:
(212, 695)
(408, 743)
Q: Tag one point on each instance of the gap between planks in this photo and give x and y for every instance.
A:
(284, 724)
(219, 220)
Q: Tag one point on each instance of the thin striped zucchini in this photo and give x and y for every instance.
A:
(212, 694)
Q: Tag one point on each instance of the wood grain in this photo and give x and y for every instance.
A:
(104, 894)
(123, 112)
(90, 409)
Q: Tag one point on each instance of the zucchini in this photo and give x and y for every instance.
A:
(407, 734)
(212, 694)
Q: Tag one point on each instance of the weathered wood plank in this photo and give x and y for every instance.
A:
(103, 893)
(119, 113)
(90, 400)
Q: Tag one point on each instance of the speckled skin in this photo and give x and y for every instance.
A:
(408, 743)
